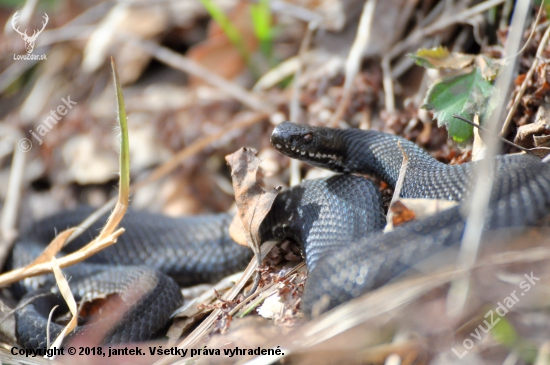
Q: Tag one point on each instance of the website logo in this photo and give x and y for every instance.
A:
(29, 40)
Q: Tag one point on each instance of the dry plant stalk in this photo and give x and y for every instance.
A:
(65, 291)
(398, 187)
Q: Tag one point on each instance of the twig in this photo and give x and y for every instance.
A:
(266, 291)
(304, 47)
(484, 183)
(354, 58)
(502, 139)
(526, 81)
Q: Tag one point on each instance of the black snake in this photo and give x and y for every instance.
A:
(337, 222)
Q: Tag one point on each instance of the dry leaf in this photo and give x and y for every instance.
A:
(253, 202)
(415, 209)
(526, 133)
(534, 136)
(237, 231)
(401, 214)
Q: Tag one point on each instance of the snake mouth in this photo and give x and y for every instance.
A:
(305, 143)
(291, 150)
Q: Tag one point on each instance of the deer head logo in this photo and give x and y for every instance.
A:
(29, 41)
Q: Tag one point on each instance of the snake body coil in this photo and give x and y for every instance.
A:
(520, 197)
(154, 253)
(336, 221)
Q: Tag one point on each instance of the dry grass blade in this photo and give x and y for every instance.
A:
(54, 247)
(43, 268)
(124, 181)
(478, 203)
(543, 354)
(65, 291)
(48, 340)
(398, 186)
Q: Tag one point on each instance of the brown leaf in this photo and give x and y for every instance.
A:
(401, 214)
(217, 46)
(253, 202)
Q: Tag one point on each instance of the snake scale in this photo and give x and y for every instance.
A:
(337, 221)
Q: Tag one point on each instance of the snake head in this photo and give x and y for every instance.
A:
(317, 146)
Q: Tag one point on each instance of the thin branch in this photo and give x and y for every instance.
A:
(526, 81)
(502, 139)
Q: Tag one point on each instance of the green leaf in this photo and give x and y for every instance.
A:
(465, 95)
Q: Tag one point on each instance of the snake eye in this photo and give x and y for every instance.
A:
(307, 138)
